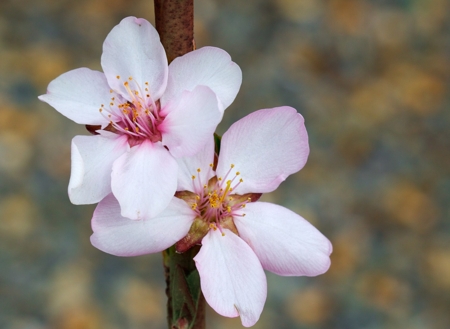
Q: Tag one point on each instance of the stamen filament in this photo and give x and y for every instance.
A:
(226, 175)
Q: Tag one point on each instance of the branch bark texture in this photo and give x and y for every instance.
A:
(186, 304)
(175, 25)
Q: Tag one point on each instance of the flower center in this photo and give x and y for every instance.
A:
(214, 200)
(138, 118)
(215, 206)
(214, 203)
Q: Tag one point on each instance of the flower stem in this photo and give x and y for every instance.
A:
(186, 304)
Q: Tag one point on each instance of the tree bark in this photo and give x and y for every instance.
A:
(175, 25)
(186, 304)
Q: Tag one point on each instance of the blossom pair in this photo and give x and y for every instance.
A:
(153, 169)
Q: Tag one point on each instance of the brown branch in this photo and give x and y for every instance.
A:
(186, 304)
(175, 25)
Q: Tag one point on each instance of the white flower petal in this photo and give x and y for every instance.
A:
(132, 49)
(231, 277)
(92, 161)
(144, 180)
(266, 146)
(190, 122)
(122, 236)
(187, 167)
(284, 242)
(207, 66)
(78, 95)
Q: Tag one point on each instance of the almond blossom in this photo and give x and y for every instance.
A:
(146, 114)
(216, 206)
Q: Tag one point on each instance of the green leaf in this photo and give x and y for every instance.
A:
(217, 140)
(193, 281)
(184, 290)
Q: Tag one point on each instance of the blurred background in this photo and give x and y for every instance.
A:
(371, 78)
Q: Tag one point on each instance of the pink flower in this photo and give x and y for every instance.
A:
(150, 113)
(240, 237)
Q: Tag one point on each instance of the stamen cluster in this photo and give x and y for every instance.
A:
(214, 202)
(138, 117)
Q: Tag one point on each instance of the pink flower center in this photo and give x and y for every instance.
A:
(138, 117)
(215, 203)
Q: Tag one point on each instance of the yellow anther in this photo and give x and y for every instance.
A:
(137, 129)
(193, 177)
(118, 77)
(211, 165)
(232, 165)
(223, 234)
(198, 170)
(112, 98)
(213, 226)
(111, 91)
(214, 200)
(130, 78)
(100, 110)
(197, 197)
(125, 83)
(111, 103)
(126, 128)
(146, 83)
(237, 173)
(229, 209)
(194, 206)
(243, 206)
(136, 92)
(220, 178)
(204, 186)
(241, 180)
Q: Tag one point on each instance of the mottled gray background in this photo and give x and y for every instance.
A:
(372, 81)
